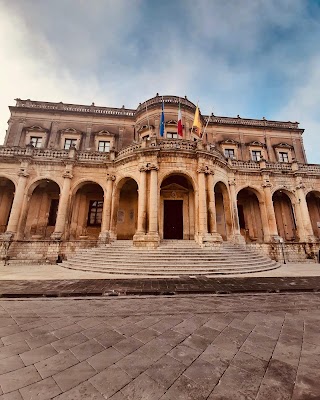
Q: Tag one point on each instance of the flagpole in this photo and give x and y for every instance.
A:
(206, 126)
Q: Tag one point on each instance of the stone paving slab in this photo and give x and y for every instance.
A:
(235, 346)
(115, 287)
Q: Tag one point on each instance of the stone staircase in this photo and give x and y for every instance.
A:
(173, 258)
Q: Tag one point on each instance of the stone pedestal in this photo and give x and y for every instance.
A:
(104, 238)
(209, 239)
(146, 240)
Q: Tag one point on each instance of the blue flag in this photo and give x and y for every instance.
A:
(162, 121)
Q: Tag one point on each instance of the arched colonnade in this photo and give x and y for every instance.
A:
(145, 209)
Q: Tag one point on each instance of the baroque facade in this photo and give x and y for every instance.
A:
(74, 176)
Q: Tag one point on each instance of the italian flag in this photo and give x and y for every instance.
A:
(180, 131)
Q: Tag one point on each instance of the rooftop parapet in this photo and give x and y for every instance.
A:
(149, 105)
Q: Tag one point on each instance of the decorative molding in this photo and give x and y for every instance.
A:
(111, 177)
(256, 143)
(283, 145)
(204, 169)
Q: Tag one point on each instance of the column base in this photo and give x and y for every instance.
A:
(7, 236)
(104, 238)
(312, 239)
(146, 240)
(239, 239)
(56, 235)
(209, 239)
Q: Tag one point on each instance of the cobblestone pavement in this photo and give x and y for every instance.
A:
(245, 346)
(186, 285)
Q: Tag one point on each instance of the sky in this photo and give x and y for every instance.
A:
(255, 58)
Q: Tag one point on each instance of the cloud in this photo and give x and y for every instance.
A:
(253, 58)
(303, 106)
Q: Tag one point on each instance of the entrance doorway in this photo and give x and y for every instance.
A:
(173, 219)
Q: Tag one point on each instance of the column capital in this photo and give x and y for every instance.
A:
(300, 186)
(22, 172)
(67, 175)
(111, 177)
(267, 184)
(232, 182)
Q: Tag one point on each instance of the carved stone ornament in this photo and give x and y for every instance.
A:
(266, 184)
(148, 167)
(232, 182)
(111, 177)
(67, 175)
(205, 170)
(22, 172)
(300, 186)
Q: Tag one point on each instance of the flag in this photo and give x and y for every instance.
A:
(197, 127)
(180, 132)
(162, 121)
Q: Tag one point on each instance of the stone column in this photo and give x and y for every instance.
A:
(17, 203)
(212, 208)
(106, 213)
(238, 238)
(142, 201)
(304, 211)
(63, 206)
(271, 216)
(203, 217)
(153, 203)
(152, 238)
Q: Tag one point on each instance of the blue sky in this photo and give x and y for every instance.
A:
(252, 58)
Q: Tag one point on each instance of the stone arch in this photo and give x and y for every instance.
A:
(283, 202)
(125, 208)
(256, 190)
(187, 175)
(177, 206)
(39, 218)
(35, 182)
(7, 191)
(82, 182)
(85, 214)
(313, 203)
(249, 201)
(223, 210)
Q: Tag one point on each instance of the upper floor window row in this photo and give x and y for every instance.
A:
(36, 141)
(283, 156)
(229, 153)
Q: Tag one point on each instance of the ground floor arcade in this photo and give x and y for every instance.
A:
(150, 208)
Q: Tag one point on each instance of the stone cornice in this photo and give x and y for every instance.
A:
(155, 102)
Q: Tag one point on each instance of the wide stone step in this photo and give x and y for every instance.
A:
(165, 272)
(172, 258)
(168, 262)
(195, 267)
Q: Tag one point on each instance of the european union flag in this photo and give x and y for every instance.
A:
(162, 121)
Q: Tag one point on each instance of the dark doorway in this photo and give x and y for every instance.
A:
(241, 217)
(173, 219)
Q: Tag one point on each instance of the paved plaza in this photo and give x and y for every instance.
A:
(239, 346)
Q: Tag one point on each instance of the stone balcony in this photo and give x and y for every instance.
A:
(95, 158)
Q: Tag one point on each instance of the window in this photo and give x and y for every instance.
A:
(229, 153)
(256, 155)
(53, 212)
(36, 141)
(172, 135)
(68, 143)
(283, 156)
(104, 146)
(95, 212)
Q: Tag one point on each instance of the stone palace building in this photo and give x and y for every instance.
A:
(75, 176)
